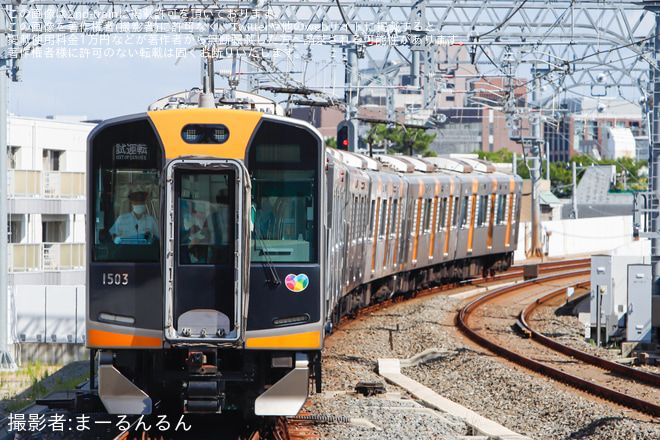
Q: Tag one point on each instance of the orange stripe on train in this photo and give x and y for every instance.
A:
(109, 339)
(299, 340)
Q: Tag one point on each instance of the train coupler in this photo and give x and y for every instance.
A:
(204, 397)
(202, 362)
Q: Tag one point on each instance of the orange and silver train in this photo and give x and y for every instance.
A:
(225, 244)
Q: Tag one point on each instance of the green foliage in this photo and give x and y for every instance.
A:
(500, 156)
(331, 142)
(504, 156)
(31, 384)
(399, 139)
(561, 175)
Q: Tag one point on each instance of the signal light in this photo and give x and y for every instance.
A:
(342, 138)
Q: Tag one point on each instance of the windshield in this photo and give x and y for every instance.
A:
(125, 193)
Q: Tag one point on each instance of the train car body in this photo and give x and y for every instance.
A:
(404, 224)
(224, 245)
(215, 300)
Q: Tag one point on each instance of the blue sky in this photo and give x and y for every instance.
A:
(57, 81)
(99, 88)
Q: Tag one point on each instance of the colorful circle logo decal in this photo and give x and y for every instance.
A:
(296, 283)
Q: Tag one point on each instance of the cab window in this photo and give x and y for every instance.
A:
(205, 206)
(125, 202)
(283, 161)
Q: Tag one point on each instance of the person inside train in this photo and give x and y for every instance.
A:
(218, 224)
(135, 226)
(195, 234)
(265, 219)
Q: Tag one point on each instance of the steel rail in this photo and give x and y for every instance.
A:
(642, 376)
(577, 382)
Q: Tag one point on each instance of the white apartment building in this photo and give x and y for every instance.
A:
(46, 252)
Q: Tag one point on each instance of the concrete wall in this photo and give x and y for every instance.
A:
(575, 237)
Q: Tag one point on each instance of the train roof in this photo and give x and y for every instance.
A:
(407, 164)
(240, 101)
(357, 160)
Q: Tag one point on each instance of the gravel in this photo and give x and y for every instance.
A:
(510, 395)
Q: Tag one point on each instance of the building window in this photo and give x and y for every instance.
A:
(53, 232)
(634, 126)
(52, 160)
(15, 228)
(13, 157)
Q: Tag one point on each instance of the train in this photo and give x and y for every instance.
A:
(225, 244)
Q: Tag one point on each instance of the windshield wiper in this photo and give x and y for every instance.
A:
(267, 263)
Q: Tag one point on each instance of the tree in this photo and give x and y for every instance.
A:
(504, 156)
(400, 139)
(561, 175)
(331, 142)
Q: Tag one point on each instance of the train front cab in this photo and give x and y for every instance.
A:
(155, 311)
(197, 215)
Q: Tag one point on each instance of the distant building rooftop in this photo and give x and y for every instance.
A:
(594, 198)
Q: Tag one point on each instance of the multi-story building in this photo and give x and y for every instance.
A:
(582, 127)
(46, 251)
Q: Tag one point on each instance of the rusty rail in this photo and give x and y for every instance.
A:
(577, 382)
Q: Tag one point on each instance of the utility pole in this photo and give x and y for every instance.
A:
(574, 212)
(4, 285)
(532, 149)
(654, 155)
(8, 51)
(352, 84)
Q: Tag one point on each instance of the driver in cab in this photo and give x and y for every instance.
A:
(136, 226)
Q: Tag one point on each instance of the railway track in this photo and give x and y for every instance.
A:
(299, 428)
(481, 322)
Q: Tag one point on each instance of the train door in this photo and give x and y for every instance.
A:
(205, 249)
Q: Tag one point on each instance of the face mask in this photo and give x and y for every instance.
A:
(138, 209)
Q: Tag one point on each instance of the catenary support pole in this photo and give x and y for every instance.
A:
(4, 267)
(654, 156)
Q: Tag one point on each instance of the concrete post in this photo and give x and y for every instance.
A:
(574, 213)
(534, 154)
(352, 84)
(4, 266)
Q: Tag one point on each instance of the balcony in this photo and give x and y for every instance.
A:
(45, 184)
(38, 257)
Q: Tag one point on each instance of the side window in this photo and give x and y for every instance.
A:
(417, 209)
(395, 216)
(466, 212)
(482, 210)
(356, 217)
(454, 212)
(442, 218)
(500, 201)
(383, 220)
(514, 207)
(372, 219)
(363, 216)
(427, 215)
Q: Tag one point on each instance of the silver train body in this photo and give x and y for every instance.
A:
(399, 224)
(259, 240)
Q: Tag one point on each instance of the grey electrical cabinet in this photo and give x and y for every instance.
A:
(610, 284)
(640, 284)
